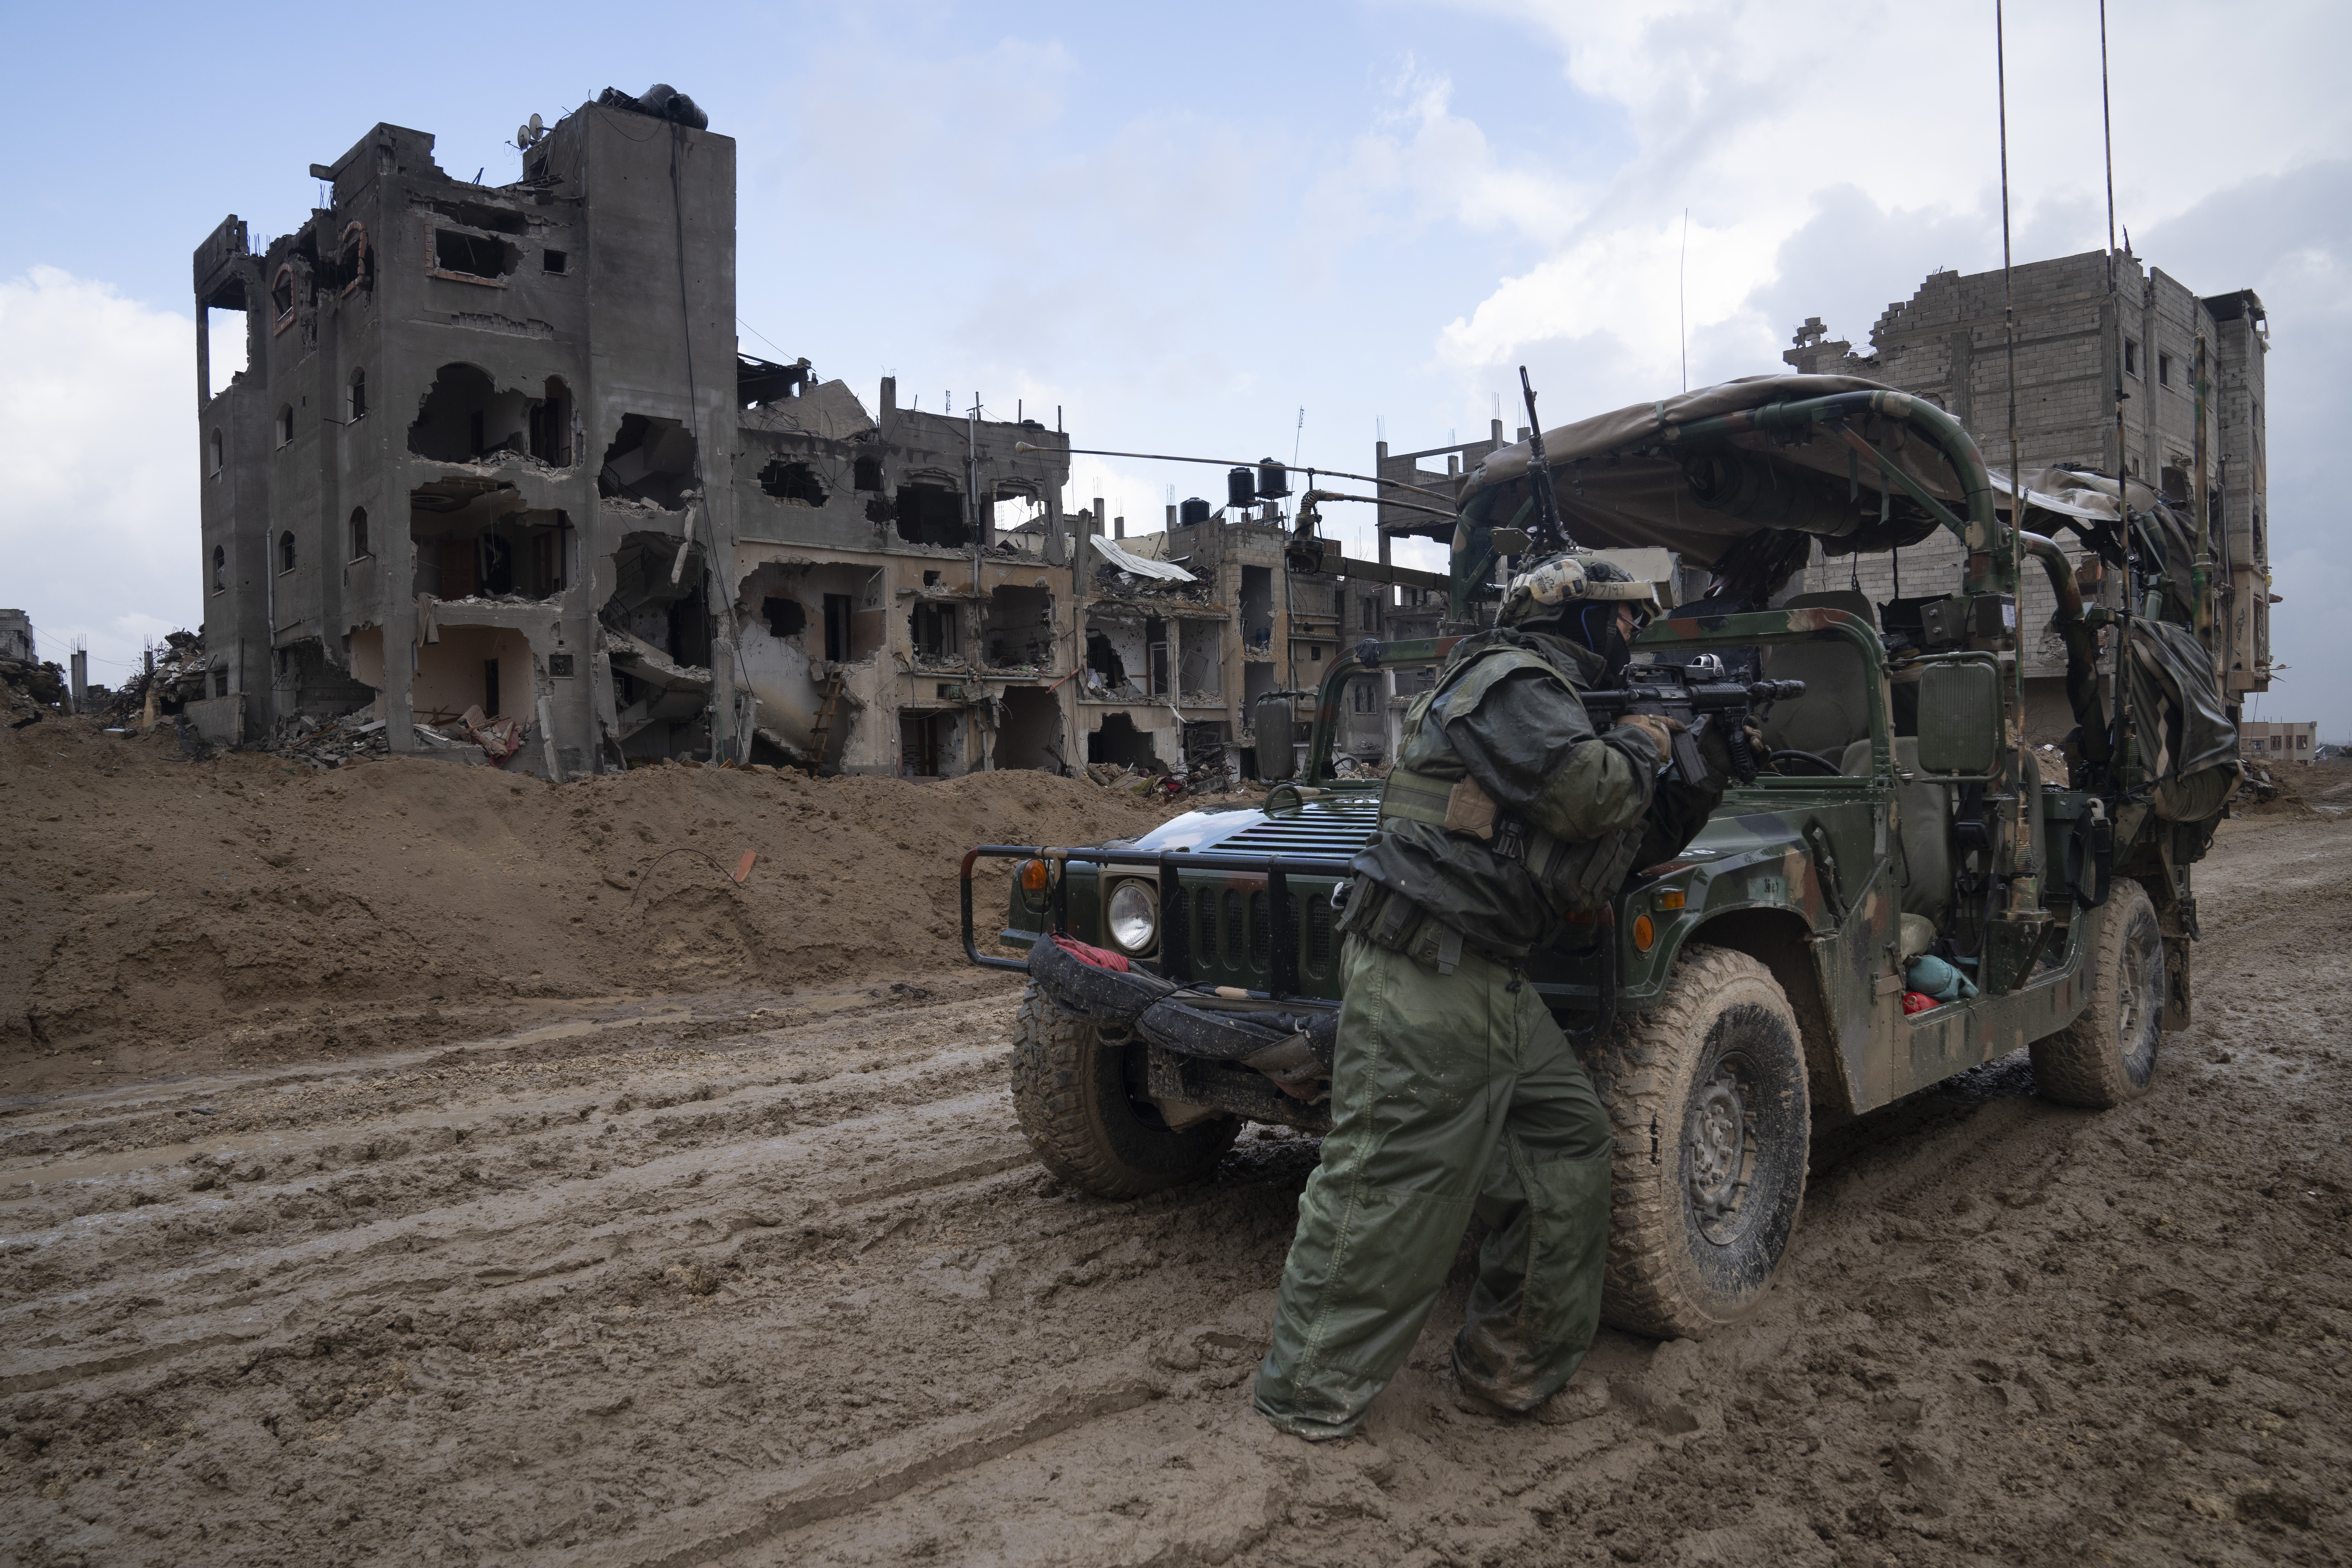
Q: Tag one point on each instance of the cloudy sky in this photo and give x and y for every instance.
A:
(1181, 227)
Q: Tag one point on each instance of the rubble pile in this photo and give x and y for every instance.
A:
(178, 679)
(30, 688)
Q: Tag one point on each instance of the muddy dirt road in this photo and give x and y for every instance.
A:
(719, 1280)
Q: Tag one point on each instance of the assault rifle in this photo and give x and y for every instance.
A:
(1551, 530)
(1696, 695)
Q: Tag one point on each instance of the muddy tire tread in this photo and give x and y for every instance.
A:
(2082, 1065)
(1073, 1111)
(1638, 1066)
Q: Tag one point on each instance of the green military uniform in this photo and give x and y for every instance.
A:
(1455, 1091)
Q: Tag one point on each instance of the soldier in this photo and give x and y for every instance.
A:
(1455, 1092)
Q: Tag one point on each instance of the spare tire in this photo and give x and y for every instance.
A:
(1110, 997)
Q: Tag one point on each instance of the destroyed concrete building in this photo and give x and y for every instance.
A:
(494, 451)
(1948, 344)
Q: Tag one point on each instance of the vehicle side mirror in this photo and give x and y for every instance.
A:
(1959, 719)
(1277, 723)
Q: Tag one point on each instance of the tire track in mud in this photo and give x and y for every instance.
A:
(761, 1286)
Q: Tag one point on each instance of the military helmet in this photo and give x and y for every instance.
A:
(1558, 585)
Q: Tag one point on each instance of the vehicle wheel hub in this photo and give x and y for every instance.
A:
(1718, 1148)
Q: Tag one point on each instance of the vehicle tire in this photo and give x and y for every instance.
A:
(1070, 1090)
(2108, 1055)
(1707, 1093)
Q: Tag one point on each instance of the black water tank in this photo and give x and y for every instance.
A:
(1241, 489)
(1273, 480)
(1194, 511)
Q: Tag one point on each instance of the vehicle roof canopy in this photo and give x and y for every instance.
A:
(1621, 484)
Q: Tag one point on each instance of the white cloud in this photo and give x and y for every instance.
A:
(97, 523)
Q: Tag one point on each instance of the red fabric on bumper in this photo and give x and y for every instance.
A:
(1097, 956)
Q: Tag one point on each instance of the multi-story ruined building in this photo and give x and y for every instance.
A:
(495, 449)
(1949, 343)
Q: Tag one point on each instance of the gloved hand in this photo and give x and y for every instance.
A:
(1714, 746)
(1658, 728)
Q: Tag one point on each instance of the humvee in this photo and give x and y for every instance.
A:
(1750, 989)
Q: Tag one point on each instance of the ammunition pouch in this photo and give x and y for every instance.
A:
(1576, 878)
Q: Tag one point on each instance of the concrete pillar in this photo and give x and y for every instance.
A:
(79, 688)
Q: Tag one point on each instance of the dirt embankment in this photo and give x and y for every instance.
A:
(162, 914)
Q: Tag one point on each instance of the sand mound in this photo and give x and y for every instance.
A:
(154, 899)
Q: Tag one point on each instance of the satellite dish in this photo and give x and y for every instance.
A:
(522, 135)
(536, 127)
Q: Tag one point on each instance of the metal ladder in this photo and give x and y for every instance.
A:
(822, 731)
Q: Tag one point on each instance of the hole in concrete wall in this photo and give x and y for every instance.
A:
(792, 479)
(359, 533)
(932, 514)
(785, 617)
(1102, 660)
(1200, 671)
(1017, 627)
(2172, 483)
(1030, 735)
(310, 683)
(650, 461)
(552, 261)
(464, 416)
(926, 744)
(473, 667)
(355, 404)
(281, 296)
(472, 255)
(285, 425)
(865, 474)
(286, 550)
(550, 425)
(487, 545)
(1257, 607)
(1117, 741)
(934, 629)
(645, 603)
(220, 568)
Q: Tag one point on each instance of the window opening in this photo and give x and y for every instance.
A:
(791, 480)
(356, 404)
(2131, 357)
(359, 533)
(2164, 369)
(935, 631)
(286, 550)
(551, 260)
(220, 568)
(490, 687)
(1364, 694)
(285, 425)
(213, 455)
(281, 297)
(865, 474)
(355, 263)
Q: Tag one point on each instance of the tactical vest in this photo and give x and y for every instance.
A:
(1430, 784)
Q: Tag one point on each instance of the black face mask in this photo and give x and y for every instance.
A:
(1595, 626)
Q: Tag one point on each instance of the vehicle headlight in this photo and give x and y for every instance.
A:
(1134, 916)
